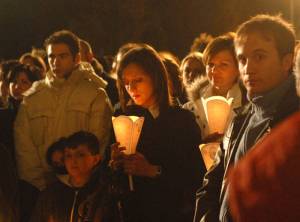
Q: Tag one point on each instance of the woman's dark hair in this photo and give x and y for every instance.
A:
(218, 44)
(33, 73)
(148, 59)
(121, 52)
(35, 60)
(176, 88)
(6, 67)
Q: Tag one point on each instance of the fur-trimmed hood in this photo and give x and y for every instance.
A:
(196, 89)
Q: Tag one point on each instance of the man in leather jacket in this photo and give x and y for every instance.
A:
(265, 64)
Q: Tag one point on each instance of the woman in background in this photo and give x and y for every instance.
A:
(192, 68)
(223, 76)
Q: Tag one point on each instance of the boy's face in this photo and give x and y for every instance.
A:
(80, 162)
(261, 67)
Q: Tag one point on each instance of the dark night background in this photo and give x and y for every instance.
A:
(107, 24)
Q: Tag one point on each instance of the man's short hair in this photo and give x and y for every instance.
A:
(65, 37)
(271, 28)
(84, 138)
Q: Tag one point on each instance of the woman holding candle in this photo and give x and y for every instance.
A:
(223, 75)
(167, 167)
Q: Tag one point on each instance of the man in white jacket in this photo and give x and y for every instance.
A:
(68, 100)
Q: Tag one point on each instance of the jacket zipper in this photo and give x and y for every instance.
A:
(73, 207)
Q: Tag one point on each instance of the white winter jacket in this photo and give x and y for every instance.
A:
(202, 89)
(55, 108)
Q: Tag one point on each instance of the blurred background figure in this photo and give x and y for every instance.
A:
(192, 68)
(9, 193)
(264, 185)
(297, 65)
(169, 55)
(5, 68)
(19, 79)
(175, 84)
(107, 62)
(223, 80)
(34, 60)
(200, 42)
(87, 55)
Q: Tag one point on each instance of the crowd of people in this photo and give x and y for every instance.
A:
(60, 160)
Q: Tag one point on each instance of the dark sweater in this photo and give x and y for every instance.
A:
(170, 141)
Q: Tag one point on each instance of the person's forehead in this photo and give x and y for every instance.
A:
(254, 41)
(133, 70)
(79, 148)
(224, 54)
(22, 75)
(58, 48)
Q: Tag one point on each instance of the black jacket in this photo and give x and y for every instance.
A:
(92, 202)
(170, 141)
(211, 195)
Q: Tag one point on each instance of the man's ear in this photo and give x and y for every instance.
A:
(90, 57)
(287, 62)
(97, 159)
(77, 58)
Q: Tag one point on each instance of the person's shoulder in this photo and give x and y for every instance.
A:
(178, 110)
(188, 105)
(90, 77)
(179, 113)
(39, 94)
(36, 88)
(56, 188)
(89, 88)
(243, 110)
(198, 87)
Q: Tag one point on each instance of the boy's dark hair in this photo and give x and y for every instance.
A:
(270, 27)
(65, 37)
(84, 138)
(33, 73)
